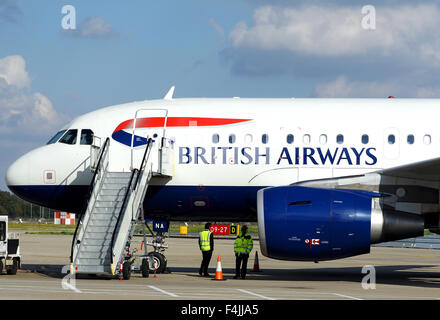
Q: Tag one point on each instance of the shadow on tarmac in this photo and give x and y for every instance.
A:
(404, 275)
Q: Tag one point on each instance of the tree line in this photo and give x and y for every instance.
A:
(14, 207)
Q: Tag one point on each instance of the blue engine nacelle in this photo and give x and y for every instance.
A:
(311, 224)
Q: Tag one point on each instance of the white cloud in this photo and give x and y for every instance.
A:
(21, 110)
(335, 31)
(92, 28)
(13, 71)
(327, 41)
(341, 87)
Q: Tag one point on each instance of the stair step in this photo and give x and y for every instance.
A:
(94, 255)
(93, 261)
(103, 215)
(99, 229)
(119, 197)
(97, 242)
(98, 236)
(108, 204)
(92, 269)
(114, 192)
(114, 185)
(95, 248)
(113, 174)
(99, 220)
(118, 181)
(108, 210)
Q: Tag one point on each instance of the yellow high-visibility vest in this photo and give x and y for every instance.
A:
(205, 244)
(243, 243)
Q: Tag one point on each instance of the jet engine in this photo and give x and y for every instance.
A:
(312, 224)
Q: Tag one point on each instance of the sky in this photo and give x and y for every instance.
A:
(123, 51)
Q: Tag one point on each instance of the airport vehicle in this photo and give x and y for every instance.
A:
(324, 178)
(10, 258)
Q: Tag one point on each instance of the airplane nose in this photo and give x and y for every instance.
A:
(17, 173)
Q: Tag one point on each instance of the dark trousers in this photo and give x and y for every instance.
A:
(241, 260)
(205, 262)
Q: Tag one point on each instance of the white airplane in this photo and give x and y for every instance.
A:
(324, 178)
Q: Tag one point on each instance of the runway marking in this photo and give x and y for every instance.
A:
(349, 297)
(163, 291)
(255, 294)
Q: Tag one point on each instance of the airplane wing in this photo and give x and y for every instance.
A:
(428, 170)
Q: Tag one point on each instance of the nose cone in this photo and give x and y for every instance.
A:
(18, 173)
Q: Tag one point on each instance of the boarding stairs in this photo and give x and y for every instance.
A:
(107, 225)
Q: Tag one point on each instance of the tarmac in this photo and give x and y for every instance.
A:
(400, 274)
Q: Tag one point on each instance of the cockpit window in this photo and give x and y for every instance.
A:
(70, 137)
(56, 137)
(86, 136)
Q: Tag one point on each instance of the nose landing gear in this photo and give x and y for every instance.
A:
(155, 260)
(152, 262)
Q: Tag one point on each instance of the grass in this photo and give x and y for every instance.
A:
(42, 227)
(67, 233)
(58, 229)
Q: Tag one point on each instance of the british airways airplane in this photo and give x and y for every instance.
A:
(324, 178)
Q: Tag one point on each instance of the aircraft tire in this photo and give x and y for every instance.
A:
(145, 268)
(159, 261)
(126, 270)
(13, 269)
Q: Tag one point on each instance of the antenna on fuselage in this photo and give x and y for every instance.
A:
(170, 93)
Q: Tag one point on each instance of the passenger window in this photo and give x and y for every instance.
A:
(215, 138)
(290, 138)
(70, 137)
(56, 137)
(232, 138)
(306, 139)
(248, 139)
(365, 139)
(265, 138)
(410, 139)
(427, 139)
(323, 139)
(340, 139)
(391, 139)
(86, 137)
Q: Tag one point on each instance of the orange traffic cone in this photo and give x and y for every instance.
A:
(218, 271)
(256, 264)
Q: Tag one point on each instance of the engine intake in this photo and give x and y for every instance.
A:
(311, 224)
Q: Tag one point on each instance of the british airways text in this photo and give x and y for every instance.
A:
(291, 156)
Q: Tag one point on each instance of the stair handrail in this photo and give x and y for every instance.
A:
(139, 178)
(99, 166)
(121, 211)
(131, 188)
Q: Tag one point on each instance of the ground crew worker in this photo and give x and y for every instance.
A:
(242, 248)
(206, 244)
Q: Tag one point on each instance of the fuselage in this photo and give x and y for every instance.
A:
(225, 150)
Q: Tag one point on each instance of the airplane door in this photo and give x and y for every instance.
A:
(391, 143)
(147, 123)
